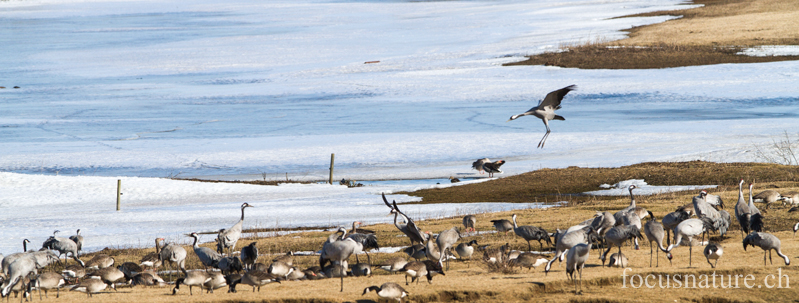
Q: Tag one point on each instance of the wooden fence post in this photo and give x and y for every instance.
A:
(332, 159)
(119, 191)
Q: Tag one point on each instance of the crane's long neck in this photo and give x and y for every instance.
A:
(741, 192)
(24, 246)
(395, 221)
(242, 213)
(751, 186)
(632, 198)
(157, 248)
(195, 241)
(514, 222)
(784, 257)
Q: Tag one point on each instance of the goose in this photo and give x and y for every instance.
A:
(528, 260)
(466, 250)
(108, 275)
(529, 233)
(493, 167)
(130, 269)
(74, 271)
(768, 196)
(388, 290)
(362, 270)
(280, 269)
(143, 279)
(153, 260)
(478, 164)
(254, 278)
(502, 225)
(192, 278)
(713, 251)
(394, 264)
(230, 236)
(91, 286)
(49, 281)
(100, 261)
(469, 222)
(296, 274)
(217, 281)
(288, 258)
(418, 269)
(792, 197)
(618, 260)
(767, 242)
(546, 110)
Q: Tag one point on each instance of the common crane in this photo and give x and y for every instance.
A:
(654, 233)
(575, 261)
(529, 233)
(230, 236)
(207, 256)
(546, 110)
(767, 242)
(338, 249)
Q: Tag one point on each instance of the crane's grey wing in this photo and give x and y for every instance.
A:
(411, 225)
(553, 98)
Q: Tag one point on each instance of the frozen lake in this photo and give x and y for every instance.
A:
(253, 89)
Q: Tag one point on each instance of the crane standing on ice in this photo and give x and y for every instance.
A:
(546, 109)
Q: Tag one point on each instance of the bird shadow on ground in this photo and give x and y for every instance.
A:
(365, 301)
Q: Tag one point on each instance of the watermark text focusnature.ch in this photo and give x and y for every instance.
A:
(702, 281)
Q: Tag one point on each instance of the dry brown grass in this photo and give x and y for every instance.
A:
(471, 281)
(549, 185)
(711, 34)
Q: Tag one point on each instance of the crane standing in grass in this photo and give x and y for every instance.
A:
(227, 238)
(546, 110)
(529, 233)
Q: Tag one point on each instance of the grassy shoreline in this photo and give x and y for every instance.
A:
(711, 34)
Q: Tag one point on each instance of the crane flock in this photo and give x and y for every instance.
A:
(20, 271)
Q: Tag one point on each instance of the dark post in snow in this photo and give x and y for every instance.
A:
(332, 158)
(119, 188)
